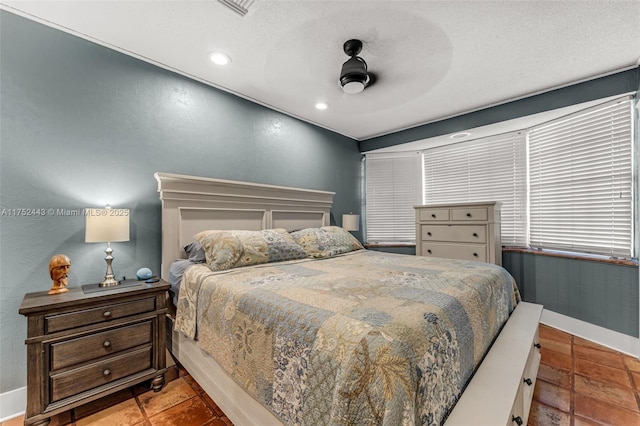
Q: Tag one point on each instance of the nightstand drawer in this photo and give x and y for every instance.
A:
(101, 314)
(81, 379)
(457, 233)
(95, 346)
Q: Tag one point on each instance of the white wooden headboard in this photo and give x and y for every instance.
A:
(191, 204)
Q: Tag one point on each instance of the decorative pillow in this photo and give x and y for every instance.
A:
(326, 241)
(232, 249)
(195, 252)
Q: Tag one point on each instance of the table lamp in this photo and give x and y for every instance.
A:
(107, 226)
(351, 222)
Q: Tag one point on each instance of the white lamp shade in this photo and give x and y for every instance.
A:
(106, 225)
(351, 222)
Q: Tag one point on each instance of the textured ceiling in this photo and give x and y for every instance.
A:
(433, 59)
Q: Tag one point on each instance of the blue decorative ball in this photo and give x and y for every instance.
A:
(143, 273)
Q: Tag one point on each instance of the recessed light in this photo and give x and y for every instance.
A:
(460, 135)
(322, 106)
(219, 58)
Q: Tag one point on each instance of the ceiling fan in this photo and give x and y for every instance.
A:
(354, 77)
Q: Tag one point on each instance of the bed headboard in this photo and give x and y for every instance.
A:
(191, 204)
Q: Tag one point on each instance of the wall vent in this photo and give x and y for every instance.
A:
(238, 6)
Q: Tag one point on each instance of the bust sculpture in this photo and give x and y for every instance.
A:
(59, 267)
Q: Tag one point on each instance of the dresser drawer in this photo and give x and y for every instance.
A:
(454, 233)
(470, 214)
(475, 252)
(95, 346)
(75, 319)
(426, 215)
(91, 376)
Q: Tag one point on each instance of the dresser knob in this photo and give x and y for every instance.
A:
(106, 314)
(433, 216)
(518, 420)
(475, 234)
(468, 214)
(106, 344)
(475, 254)
(106, 372)
(429, 233)
(429, 251)
(528, 381)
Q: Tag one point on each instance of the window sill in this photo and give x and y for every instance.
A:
(575, 256)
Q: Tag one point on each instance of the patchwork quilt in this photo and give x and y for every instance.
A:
(363, 338)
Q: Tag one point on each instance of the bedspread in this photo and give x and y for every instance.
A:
(362, 338)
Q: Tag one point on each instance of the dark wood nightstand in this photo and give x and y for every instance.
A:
(91, 342)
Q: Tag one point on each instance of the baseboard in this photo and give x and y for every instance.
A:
(594, 333)
(13, 403)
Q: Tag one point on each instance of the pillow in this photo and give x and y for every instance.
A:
(195, 252)
(232, 249)
(326, 241)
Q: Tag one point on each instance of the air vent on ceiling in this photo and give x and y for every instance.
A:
(239, 6)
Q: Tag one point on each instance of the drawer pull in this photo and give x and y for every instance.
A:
(433, 216)
(106, 314)
(106, 344)
(429, 251)
(537, 345)
(518, 420)
(528, 381)
(106, 372)
(468, 214)
(475, 234)
(475, 254)
(429, 233)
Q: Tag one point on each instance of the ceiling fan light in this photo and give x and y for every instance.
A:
(353, 87)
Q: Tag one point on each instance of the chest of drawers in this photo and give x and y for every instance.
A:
(469, 231)
(83, 346)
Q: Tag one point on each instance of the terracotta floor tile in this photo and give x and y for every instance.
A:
(553, 396)
(102, 403)
(603, 412)
(555, 359)
(578, 421)
(593, 388)
(124, 414)
(549, 333)
(542, 415)
(611, 359)
(636, 379)
(589, 344)
(632, 364)
(16, 421)
(603, 373)
(196, 387)
(556, 346)
(171, 394)
(216, 422)
(214, 407)
(192, 412)
(555, 376)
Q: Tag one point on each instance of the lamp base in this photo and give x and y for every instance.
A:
(109, 281)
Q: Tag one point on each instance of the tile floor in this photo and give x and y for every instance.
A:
(579, 384)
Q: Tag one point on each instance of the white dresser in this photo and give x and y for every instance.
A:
(467, 231)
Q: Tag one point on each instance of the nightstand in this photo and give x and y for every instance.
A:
(91, 342)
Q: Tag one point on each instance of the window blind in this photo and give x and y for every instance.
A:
(487, 169)
(581, 181)
(393, 188)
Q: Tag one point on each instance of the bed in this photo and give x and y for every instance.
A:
(318, 330)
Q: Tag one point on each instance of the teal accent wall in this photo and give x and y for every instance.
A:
(598, 293)
(82, 125)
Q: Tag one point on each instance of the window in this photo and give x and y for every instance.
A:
(581, 182)
(392, 189)
(564, 185)
(488, 169)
